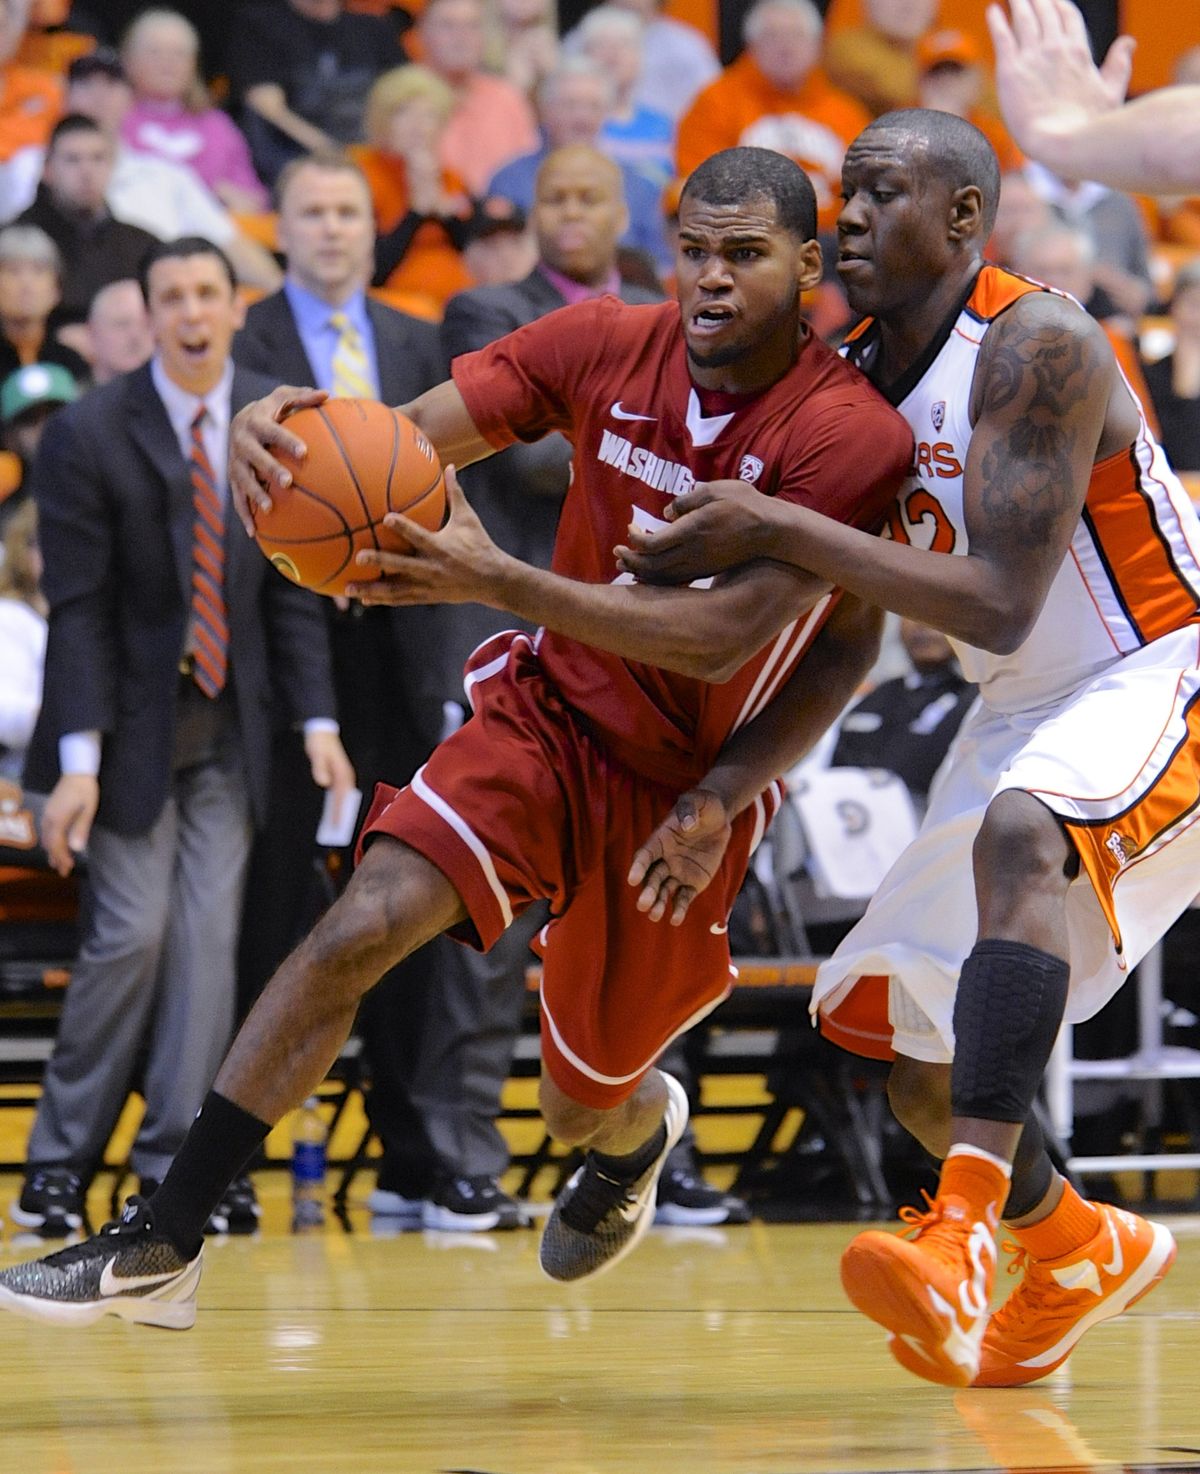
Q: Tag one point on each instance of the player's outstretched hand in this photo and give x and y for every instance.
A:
(255, 432)
(458, 564)
(1049, 86)
(681, 856)
(717, 525)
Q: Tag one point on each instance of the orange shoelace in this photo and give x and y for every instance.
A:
(941, 1237)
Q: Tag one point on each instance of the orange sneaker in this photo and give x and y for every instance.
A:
(1038, 1326)
(932, 1293)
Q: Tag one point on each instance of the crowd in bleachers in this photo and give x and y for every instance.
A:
(123, 125)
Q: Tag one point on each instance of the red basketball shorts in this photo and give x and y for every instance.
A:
(522, 803)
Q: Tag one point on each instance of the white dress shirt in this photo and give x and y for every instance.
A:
(79, 752)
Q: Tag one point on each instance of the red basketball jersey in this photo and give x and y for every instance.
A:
(614, 379)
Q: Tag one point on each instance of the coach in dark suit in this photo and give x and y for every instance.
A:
(171, 638)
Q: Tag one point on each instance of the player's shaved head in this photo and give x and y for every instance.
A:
(737, 176)
(582, 156)
(944, 147)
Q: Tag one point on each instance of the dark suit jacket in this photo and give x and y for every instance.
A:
(116, 522)
(518, 493)
(408, 357)
(388, 696)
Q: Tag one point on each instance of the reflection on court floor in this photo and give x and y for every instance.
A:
(709, 1352)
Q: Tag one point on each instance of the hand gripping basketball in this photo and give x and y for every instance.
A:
(459, 564)
(362, 461)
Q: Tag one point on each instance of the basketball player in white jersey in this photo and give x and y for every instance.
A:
(1060, 841)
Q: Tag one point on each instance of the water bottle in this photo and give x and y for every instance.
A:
(308, 1167)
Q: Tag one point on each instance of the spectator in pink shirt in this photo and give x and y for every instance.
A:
(492, 121)
(172, 115)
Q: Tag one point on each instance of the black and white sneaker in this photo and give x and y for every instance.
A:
(597, 1220)
(383, 1202)
(685, 1200)
(471, 1205)
(51, 1202)
(238, 1211)
(127, 1269)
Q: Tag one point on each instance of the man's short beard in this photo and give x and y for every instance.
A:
(721, 357)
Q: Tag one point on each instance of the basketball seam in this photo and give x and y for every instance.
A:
(322, 501)
(421, 495)
(349, 465)
(416, 502)
(387, 490)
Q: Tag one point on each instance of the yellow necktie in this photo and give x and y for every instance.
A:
(351, 377)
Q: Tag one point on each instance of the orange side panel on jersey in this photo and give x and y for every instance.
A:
(860, 1023)
(1175, 792)
(1123, 521)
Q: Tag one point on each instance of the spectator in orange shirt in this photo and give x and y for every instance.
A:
(952, 79)
(492, 122)
(877, 61)
(775, 97)
(421, 207)
(30, 104)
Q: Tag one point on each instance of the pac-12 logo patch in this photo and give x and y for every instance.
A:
(938, 414)
(750, 469)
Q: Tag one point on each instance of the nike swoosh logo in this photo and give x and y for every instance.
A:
(1117, 1263)
(717, 929)
(623, 414)
(111, 1284)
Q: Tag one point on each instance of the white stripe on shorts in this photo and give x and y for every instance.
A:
(585, 1069)
(468, 836)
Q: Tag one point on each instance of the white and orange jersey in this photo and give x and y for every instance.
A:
(1132, 570)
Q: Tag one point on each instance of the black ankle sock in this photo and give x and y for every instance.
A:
(630, 1168)
(222, 1139)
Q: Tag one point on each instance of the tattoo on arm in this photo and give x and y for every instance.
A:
(1036, 374)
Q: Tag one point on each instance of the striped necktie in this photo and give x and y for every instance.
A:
(209, 631)
(351, 376)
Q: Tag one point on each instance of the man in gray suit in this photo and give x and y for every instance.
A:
(322, 329)
(456, 1076)
(169, 632)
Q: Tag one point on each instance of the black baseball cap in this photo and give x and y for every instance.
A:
(491, 217)
(103, 62)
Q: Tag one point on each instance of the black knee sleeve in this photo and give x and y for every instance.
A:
(1009, 1005)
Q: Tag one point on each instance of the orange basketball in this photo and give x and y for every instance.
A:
(364, 460)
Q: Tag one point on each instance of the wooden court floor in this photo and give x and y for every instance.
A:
(708, 1352)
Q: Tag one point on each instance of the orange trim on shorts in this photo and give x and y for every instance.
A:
(1122, 519)
(1108, 848)
(860, 1023)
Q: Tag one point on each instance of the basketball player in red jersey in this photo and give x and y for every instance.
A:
(1062, 837)
(583, 737)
